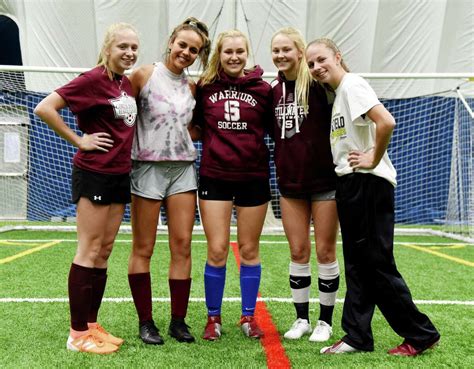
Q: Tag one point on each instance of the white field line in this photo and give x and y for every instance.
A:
(202, 299)
(263, 242)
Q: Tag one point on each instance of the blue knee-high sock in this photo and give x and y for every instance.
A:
(249, 284)
(214, 282)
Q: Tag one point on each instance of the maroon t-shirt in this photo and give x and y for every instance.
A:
(235, 115)
(303, 159)
(102, 105)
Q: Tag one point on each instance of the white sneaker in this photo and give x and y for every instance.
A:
(322, 332)
(299, 328)
(340, 347)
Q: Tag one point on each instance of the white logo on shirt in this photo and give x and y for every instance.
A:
(338, 128)
(232, 117)
(287, 113)
(125, 107)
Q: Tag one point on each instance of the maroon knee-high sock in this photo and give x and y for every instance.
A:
(80, 295)
(140, 285)
(179, 291)
(99, 279)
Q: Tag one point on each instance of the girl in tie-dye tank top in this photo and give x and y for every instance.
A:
(163, 173)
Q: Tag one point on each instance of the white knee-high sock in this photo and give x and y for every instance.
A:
(300, 284)
(328, 284)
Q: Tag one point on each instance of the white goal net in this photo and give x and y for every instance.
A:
(431, 148)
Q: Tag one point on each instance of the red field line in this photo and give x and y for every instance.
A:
(274, 350)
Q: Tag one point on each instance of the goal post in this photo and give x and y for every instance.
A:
(431, 148)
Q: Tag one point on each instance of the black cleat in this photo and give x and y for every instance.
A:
(149, 333)
(179, 330)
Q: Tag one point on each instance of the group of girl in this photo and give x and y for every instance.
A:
(330, 134)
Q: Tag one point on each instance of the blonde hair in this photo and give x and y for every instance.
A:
(303, 75)
(193, 24)
(214, 68)
(330, 44)
(109, 38)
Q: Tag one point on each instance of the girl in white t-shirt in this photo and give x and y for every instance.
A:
(361, 128)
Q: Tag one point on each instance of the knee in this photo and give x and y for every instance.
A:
(180, 247)
(300, 253)
(217, 257)
(249, 253)
(181, 244)
(104, 253)
(89, 252)
(180, 254)
(326, 253)
(142, 250)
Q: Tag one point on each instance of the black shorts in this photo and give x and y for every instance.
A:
(311, 196)
(100, 188)
(243, 193)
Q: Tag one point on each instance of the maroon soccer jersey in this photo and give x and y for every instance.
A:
(235, 114)
(102, 105)
(303, 159)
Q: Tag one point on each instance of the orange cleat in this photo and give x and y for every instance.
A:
(91, 344)
(97, 330)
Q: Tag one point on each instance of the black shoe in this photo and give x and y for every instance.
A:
(149, 333)
(179, 330)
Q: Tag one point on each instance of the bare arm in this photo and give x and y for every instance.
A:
(139, 78)
(384, 125)
(48, 111)
(194, 130)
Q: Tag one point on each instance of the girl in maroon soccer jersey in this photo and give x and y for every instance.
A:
(163, 174)
(233, 109)
(105, 109)
(306, 180)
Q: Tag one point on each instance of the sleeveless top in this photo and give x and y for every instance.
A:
(165, 108)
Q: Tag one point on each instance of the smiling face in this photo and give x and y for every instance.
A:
(123, 51)
(184, 50)
(286, 56)
(233, 56)
(324, 64)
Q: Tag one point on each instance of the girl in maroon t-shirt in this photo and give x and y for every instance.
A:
(233, 109)
(103, 103)
(307, 181)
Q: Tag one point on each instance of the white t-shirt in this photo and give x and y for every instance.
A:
(351, 129)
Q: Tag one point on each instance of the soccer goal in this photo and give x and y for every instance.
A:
(431, 148)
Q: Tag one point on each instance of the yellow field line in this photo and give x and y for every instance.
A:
(447, 247)
(29, 251)
(441, 255)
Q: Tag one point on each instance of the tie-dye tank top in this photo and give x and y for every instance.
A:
(165, 108)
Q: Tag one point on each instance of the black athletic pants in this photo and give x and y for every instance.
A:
(365, 204)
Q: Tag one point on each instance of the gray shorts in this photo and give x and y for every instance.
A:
(158, 180)
(318, 196)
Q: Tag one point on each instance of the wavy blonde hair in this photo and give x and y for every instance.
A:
(109, 38)
(213, 69)
(303, 75)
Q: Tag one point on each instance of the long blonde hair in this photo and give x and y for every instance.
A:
(109, 38)
(303, 76)
(213, 69)
(193, 24)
